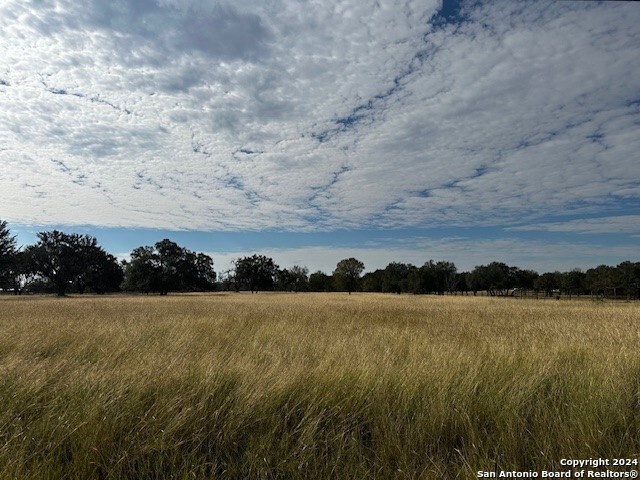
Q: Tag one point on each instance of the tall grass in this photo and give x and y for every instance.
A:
(313, 386)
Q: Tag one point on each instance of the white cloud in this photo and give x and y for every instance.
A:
(304, 115)
(616, 224)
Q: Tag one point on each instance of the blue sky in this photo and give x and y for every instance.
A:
(310, 131)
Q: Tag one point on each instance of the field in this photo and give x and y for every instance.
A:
(313, 386)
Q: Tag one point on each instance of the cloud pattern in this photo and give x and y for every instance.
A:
(212, 115)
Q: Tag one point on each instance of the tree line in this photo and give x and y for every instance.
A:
(500, 279)
(64, 263)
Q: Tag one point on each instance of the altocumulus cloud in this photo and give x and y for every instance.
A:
(215, 115)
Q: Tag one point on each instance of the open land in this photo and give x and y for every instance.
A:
(266, 386)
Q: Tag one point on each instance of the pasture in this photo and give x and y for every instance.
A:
(313, 386)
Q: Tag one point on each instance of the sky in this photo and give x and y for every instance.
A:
(315, 130)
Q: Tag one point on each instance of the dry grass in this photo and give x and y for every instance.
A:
(313, 385)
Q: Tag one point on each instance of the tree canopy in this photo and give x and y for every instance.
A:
(320, 282)
(7, 253)
(347, 274)
(255, 273)
(72, 259)
(166, 267)
(294, 279)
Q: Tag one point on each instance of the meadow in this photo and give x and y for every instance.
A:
(313, 386)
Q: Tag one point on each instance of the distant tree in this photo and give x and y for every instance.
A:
(21, 273)
(572, 283)
(171, 258)
(105, 273)
(294, 279)
(372, 281)
(446, 276)
(60, 258)
(475, 281)
(636, 270)
(347, 274)
(602, 279)
(205, 275)
(395, 277)
(629, 277)
(418, 280)
(142, 272)
(524, 279)
(299, 278)
(284, 280)
(167, 267)
(548, 283)
(256, 273)
(427, 280)
(496, 278)
(100, 271)
(432, 277)
(462, 282)
(320, 282)
(7, 254)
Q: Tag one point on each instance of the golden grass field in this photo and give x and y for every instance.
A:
(317, 386)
